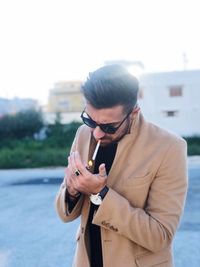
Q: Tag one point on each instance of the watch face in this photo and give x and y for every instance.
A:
(96, 199)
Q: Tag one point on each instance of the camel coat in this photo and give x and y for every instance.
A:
(142, 209)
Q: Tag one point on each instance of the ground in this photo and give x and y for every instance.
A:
(31, 234)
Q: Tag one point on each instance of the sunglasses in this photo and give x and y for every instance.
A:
(106, 128)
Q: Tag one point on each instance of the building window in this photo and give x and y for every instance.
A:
(63, 104)
(176, 90)
(171, 113)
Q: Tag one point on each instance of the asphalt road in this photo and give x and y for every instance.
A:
(32, 235)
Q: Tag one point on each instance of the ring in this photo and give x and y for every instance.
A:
(77, 173)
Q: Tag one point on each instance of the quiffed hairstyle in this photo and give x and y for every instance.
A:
(110, 86)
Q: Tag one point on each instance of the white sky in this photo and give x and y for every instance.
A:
(46, 41)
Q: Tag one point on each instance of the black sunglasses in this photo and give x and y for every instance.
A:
(106, 128)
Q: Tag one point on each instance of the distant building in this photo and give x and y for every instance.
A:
(14, 105)
(172, 100)
(65, 97)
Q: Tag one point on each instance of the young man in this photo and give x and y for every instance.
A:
(131, 197)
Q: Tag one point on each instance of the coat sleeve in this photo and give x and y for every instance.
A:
(62, 207)
(154, 226)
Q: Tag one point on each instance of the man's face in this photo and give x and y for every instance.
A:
(113, 116)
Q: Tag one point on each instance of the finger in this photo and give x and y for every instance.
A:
(72, 183)
(79, 164)
(71, 162)
(67, 173)
(76, 162)
(102, 170)
(68, 176)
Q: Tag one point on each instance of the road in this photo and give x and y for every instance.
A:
(31, 234)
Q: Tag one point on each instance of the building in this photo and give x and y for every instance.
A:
(172, 100)
(14, 105)
(66, 99)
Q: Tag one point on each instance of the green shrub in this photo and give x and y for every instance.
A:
(19, 149)
(24, 158)
(27, 152)
(61, 135)
(195, 140)
(193, 145)
(21, 125)
(193, 149)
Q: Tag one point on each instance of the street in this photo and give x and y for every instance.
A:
(31, 234)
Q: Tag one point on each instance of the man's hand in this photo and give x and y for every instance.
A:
(68, 181)
(85, 182)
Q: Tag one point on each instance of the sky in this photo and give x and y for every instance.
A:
(46, 41)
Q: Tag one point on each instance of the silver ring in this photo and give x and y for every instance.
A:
(77, 173)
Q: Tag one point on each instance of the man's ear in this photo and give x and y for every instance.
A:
(135, 112)
(136, 109)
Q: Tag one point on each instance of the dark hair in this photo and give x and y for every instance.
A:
(110, 86)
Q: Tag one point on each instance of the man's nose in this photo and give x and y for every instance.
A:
(98, 133)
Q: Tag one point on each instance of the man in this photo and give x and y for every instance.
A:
(131, 197)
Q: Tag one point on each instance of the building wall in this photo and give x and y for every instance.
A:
(65, 97)
(179, 113)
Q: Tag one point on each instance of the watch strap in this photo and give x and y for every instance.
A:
(103, 192)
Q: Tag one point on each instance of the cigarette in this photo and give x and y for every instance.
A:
(90, 162)
(96, 150)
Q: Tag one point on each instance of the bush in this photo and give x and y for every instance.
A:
(30, 153)
(24, 158)
(193, 150)
(22, 125)
(195, 140)
(193, 145)
(59, 135)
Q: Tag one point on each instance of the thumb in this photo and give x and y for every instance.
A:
(102, 170)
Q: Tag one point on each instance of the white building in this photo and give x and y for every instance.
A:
(172, 100)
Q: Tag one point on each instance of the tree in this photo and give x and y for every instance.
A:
(61, 135)
(23, 124)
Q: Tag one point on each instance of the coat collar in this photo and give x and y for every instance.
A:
(127, 141)
(135, 129)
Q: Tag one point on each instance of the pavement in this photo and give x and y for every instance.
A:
(31, 234)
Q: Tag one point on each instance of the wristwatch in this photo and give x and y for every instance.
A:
(98, 198)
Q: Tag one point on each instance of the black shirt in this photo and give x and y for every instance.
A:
(105, 155)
